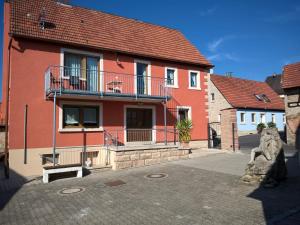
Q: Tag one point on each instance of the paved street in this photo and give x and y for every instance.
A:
(203, 190)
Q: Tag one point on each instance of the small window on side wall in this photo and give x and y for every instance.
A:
(253, 117)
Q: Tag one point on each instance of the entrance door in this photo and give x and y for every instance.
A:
(139, 125)
(92, 74)
(141, 78)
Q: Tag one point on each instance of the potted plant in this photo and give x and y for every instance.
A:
(184, 128)
(260, 127)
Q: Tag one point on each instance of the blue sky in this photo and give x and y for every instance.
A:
(250, 38)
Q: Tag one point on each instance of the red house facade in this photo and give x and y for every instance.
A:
(88, 77)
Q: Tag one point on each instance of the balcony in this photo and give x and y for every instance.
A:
(83, 83)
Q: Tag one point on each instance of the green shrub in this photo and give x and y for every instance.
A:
(260, 127)
(184, 128)
(271, 125)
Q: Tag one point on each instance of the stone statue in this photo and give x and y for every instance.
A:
(267, 162)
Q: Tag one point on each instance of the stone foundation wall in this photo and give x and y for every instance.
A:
(137, 158)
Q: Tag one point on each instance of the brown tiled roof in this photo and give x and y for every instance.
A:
(240, 93)
(291, 76)
(86, 27)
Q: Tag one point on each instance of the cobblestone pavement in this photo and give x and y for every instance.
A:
(188, 195)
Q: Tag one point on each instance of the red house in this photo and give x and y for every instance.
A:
(77, 80)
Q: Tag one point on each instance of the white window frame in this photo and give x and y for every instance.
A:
(79, 129)
(273, 114)
(198, 87)
(153, 120)
(148, 74)
(262, 115)
(243, 122)
(80, 52)
(175, 77)
(189, 108)
(253, 122)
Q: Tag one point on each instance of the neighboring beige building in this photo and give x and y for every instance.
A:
(291, 86)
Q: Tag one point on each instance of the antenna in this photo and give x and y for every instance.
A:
(42, 18)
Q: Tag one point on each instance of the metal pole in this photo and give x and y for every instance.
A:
(54, 128)
(233, 141)
(25, 134)
(165, 121)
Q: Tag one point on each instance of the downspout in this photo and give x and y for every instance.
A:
(6, 156)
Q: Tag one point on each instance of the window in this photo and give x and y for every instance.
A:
(184, 112)
(80, 116)
(194, 79)
(82, 67)
(212, 97)
(263, 118)
(242, 117)
(171, 77)
(283, 118)
(273, 118)
(262, 97)
(253, 117)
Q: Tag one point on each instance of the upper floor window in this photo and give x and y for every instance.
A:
(171, 77)
(194, 79)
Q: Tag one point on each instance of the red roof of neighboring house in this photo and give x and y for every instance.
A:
(291, 76)
(240, 93)
(86, 27)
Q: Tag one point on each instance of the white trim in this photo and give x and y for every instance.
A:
(198, 80)
(153, 119)
(243, 122)
(87, 53)
(260, 117)
(148, 75)
(283, 118)
(184, 107)
(175, 77)
(60, 116)
(255, 121)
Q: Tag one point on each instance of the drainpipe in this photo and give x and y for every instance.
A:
(54, 128)
(6, 162)
(165, 121)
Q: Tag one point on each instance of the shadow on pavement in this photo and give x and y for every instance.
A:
(281, 203)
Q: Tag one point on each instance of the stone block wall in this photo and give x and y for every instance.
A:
(145, 157)
(228, 142)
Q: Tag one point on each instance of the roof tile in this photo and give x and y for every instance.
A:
(291, 76)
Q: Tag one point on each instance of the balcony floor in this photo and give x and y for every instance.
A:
(75, 94)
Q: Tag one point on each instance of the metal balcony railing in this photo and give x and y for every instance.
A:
(68, 80)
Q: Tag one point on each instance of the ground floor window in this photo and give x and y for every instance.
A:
(183, 113)
(80, 116)
(273, 118)
(283, 118)
(243, 118)
(253, 117)
(263, 118)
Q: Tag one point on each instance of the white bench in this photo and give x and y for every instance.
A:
(60, 169)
